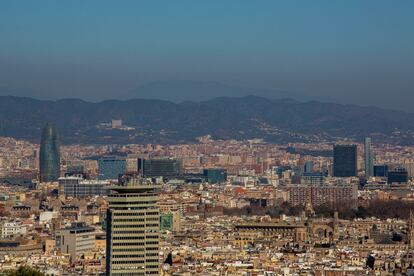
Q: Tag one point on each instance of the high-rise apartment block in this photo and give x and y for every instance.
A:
(301, 194)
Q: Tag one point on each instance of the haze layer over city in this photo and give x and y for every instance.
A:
(206, 138)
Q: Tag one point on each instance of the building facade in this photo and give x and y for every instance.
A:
(111, 167)
(312, 179)
(133, 225)
(160, 167)
(76, 240)
(345, 160)
(381, 170)
(397, 176)
(316, 195)
(10, 229)
(78, 187)
(215, 175)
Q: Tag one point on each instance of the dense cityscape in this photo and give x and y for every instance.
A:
(211, 138)
(214, 207)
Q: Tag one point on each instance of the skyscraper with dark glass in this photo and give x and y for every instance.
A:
(49, 154)
(157, 167)
(345, 160)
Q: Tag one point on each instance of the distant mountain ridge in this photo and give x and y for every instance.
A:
(188, 90)
(159, 121)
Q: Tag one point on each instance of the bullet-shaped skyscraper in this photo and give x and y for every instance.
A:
(49, 155)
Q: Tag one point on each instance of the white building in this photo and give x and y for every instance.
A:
(76, 240)
(47, 216)
(9, 229)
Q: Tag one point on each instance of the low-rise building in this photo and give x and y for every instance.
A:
(76, 240)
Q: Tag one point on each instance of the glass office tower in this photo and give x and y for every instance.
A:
(111, 167)
(215, 175)
(157, 167)
(49, 156)
(345, 160)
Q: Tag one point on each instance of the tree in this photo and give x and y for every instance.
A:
(24, 271)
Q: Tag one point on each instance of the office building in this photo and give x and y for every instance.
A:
(110, 167)
(76, 240)
(381, 170)
(345, 160)
(369, 157)
(75, 170)
(312, 178)
(49, 155)
(160, 167)
(132, 228)
(215, 175)
(308, 167)
(397, 176)
(74, 186)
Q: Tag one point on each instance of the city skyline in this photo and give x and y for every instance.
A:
(213, 201)
(235, 137)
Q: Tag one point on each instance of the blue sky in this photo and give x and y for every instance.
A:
(354, 51)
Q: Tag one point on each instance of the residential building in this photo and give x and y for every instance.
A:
(300, 195)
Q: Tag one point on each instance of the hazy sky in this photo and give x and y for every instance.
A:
(355, 51)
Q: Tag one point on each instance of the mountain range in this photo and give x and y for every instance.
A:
(194, 90)
(172, 90)
(160, 121)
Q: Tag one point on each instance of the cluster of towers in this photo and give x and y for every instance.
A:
(345, 160)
